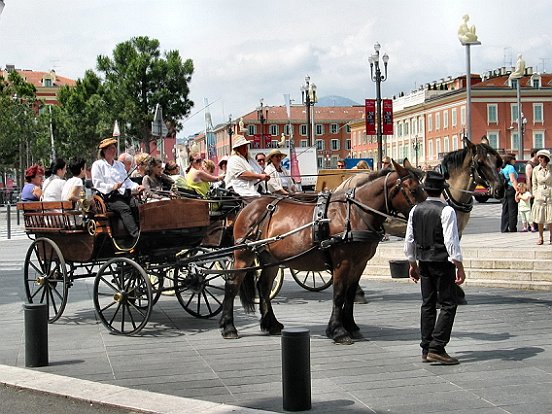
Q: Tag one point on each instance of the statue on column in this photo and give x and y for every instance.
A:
(519, 71)
(466, 34)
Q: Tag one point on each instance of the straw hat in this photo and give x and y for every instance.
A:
(544, 153)
(274, 153)
(107, 142)
(239, 141)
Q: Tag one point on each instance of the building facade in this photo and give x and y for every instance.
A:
(431, 121)
(331, 133)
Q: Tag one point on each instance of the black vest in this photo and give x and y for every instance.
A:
(428, 232)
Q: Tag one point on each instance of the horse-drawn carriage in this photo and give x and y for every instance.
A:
(129, 275)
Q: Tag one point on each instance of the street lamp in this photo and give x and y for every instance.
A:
(308, 98)
(378, 78)
(416, 146)
(262, 116)
(230, 131)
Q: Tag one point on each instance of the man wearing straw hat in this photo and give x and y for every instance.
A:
(110, 178)
(240, 175)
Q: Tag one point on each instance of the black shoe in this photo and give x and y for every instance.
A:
(442, 358)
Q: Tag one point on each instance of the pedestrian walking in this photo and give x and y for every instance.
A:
(432, 247)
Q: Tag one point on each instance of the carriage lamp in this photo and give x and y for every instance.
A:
(378, 78)
(308, 98)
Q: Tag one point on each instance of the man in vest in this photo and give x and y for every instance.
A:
(432, 240)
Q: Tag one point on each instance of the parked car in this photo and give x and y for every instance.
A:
(481, 193)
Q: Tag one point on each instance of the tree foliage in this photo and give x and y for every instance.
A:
(137, 78)
(24, 136)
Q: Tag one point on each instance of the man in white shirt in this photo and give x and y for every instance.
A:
(110, 178)
(240, 174)
(432, 239)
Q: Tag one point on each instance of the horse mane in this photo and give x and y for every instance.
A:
(455, 159)
(359, 179)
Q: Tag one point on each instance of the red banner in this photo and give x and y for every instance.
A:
(370, 115)
(387, 117)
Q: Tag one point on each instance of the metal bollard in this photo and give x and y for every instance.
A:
(36, 334)
(8, 214)
(296, 374)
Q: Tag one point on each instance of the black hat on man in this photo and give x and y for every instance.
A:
(435, 181)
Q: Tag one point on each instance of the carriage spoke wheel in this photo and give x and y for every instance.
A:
(276, 284)
(122, 296)
(201, 294)
(45, 277)
(312, 280)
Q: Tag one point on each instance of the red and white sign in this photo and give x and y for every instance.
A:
(387, 117)
(370, 115)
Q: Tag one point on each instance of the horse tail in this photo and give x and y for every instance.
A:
(248, 291)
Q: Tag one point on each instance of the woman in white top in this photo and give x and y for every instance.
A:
(74, 186)
(280, 182)
(240, 175)
(52, 187)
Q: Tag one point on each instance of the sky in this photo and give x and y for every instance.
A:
(244, 50)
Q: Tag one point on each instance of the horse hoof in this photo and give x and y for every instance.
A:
(230, 335)
(343, 340)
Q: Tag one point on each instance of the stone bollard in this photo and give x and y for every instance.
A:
(296, 374)
(36, 334)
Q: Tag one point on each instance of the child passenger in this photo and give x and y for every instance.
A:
(523, 198)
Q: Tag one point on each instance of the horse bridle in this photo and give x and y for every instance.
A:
(390, 212)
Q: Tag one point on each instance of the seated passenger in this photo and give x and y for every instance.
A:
(32, 190)
(53, 185)
(156, 184)
(74, 187)
(110, 178)
(197, 178)
(280, 181)
(240, 174)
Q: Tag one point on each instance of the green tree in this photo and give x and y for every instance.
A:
(24, 136)
(137, 78)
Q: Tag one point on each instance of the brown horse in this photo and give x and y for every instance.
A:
(464, 169)
(350, 240)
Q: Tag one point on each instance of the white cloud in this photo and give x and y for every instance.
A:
(244, 49)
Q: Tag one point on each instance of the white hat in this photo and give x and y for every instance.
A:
(223, 159)
(544, 153)
(239, 141)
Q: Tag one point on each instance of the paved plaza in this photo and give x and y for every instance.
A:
(181, 364)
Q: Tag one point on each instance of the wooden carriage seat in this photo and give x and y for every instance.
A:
(51, 217)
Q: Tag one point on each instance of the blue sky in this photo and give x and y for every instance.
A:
(246, 50)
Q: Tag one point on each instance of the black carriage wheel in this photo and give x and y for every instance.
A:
(122, 296)
(312, 280)
(45, 277)
(200, 294)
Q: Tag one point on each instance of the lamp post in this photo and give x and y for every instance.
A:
(308, 98)
(416, 146)
(378, 78)
(230, 131)
(262, 116)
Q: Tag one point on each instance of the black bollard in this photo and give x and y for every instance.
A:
(36, 334)
(296, 374)
(8, 214)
